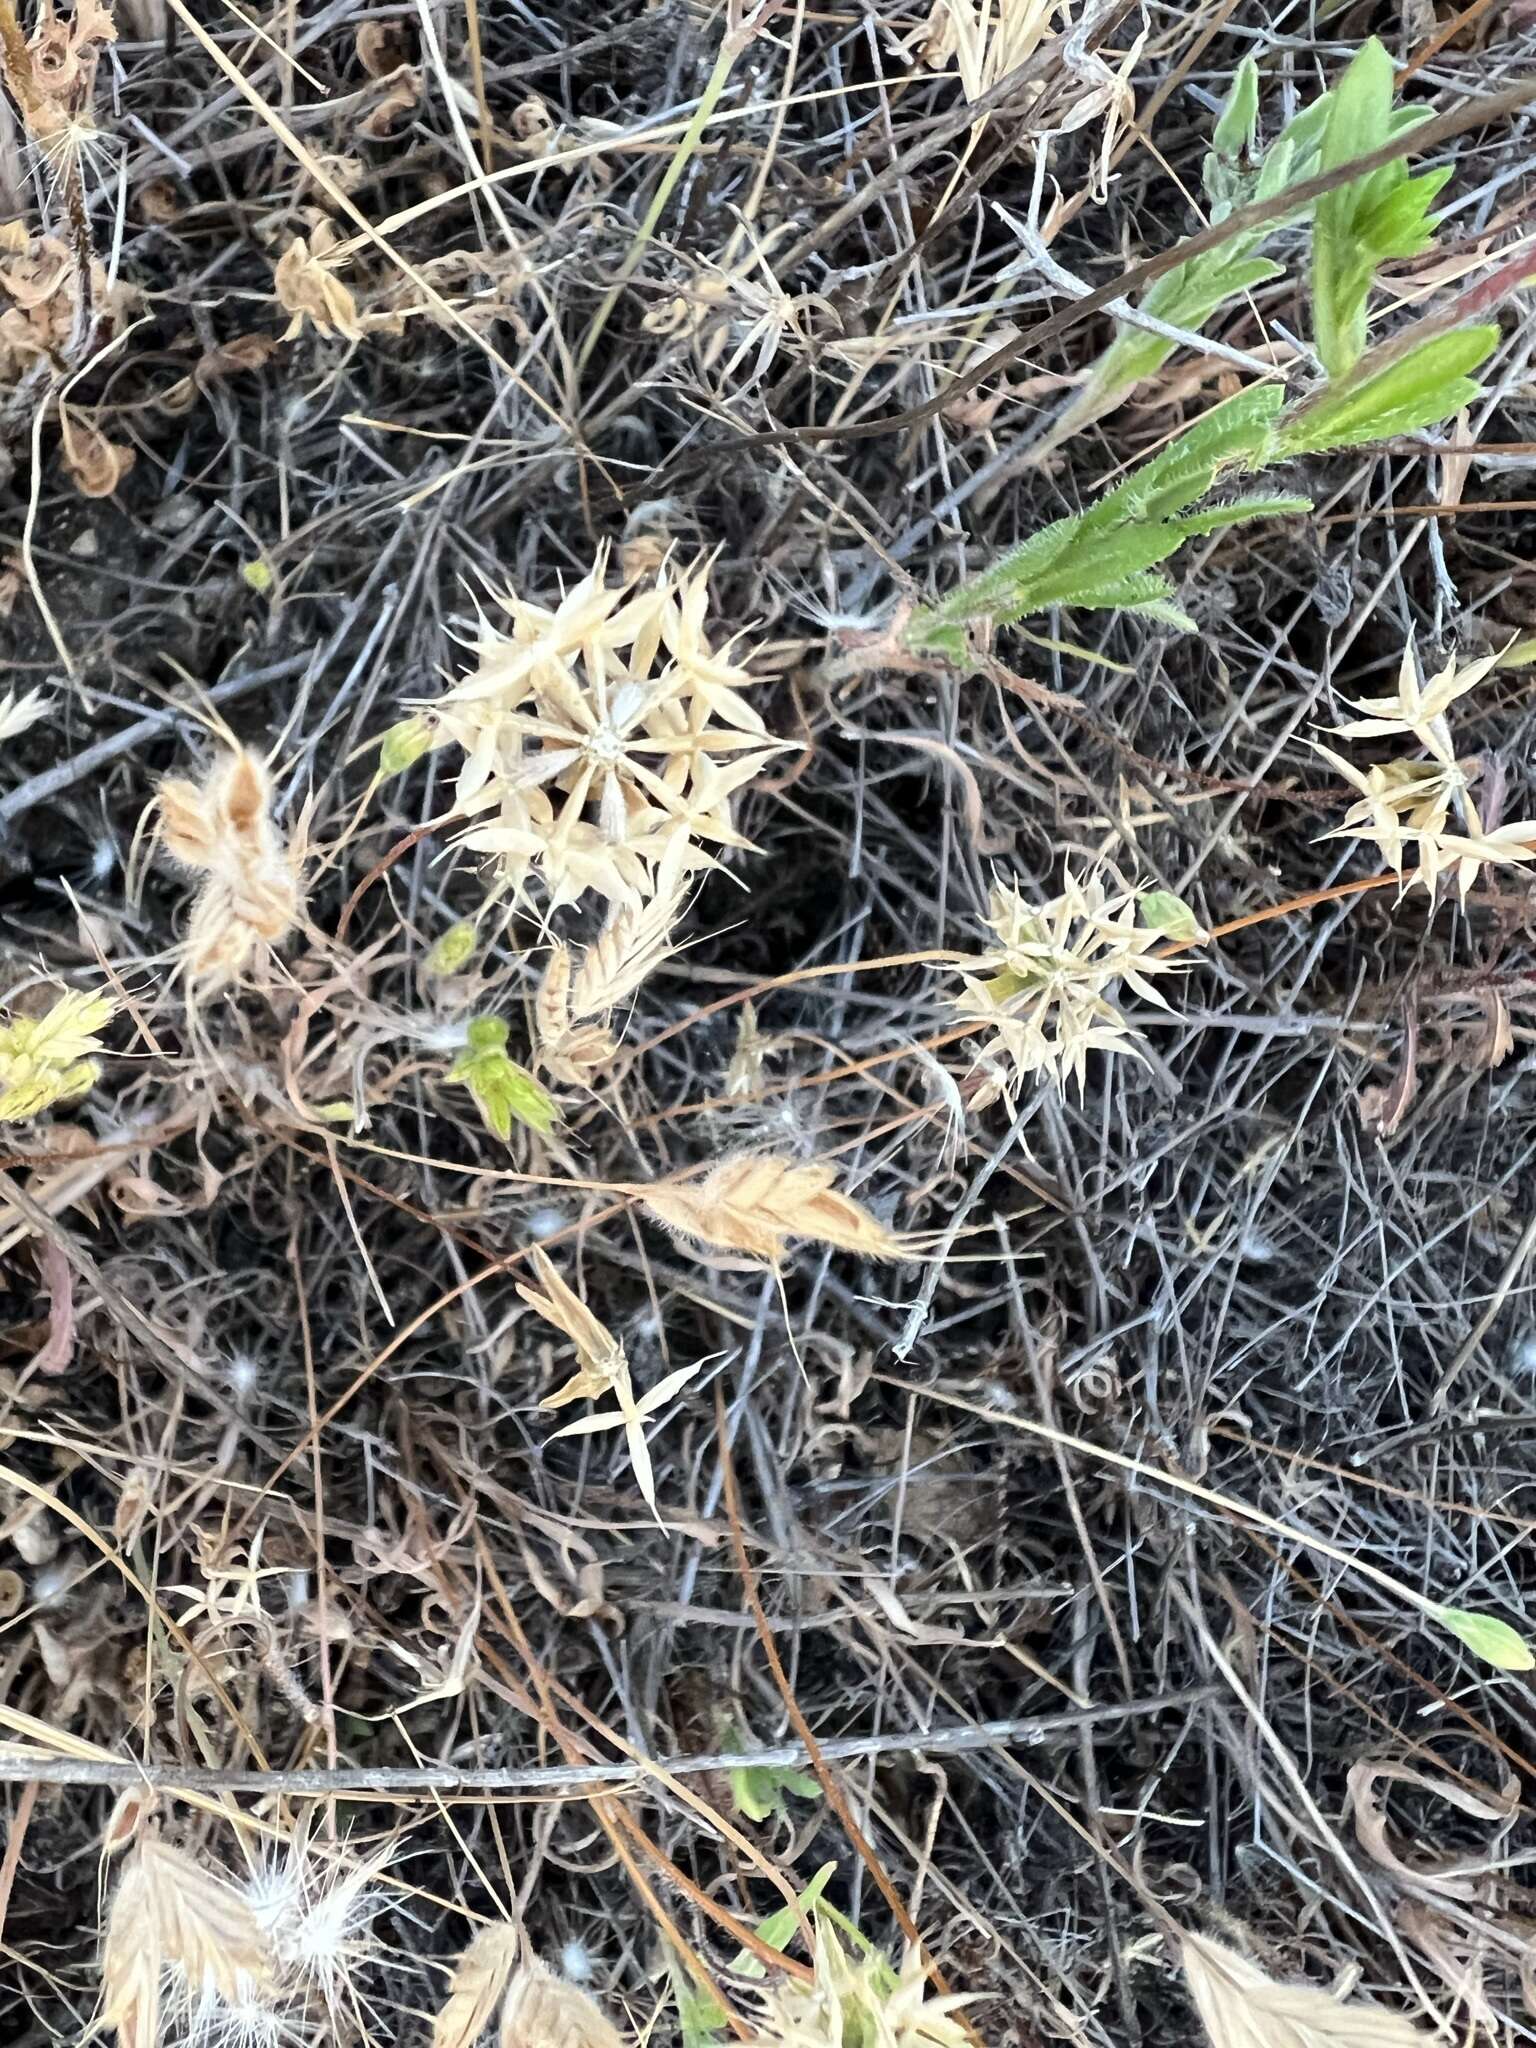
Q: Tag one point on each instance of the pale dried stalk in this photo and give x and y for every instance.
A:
(253, 892)
(755, 1204)
(539, 2011)
(1242, 2007)
(169, 1913)
(479, 1979)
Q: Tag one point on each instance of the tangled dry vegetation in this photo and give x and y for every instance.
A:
(768, 839)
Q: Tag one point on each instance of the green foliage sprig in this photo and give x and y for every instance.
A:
(1108, 556)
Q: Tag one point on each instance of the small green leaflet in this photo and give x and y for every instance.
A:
(1164, 912)
(1486, 1637)
(1419, 390)
(403, 745)
(701, 2020)
(758, 1790)
(1380, 218)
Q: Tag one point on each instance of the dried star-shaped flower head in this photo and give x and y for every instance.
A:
(1418, 708)
(49, 1059)
(599, 733)
(1426, 805)
(860, 2000)
(1044, 989)
(603, 1369)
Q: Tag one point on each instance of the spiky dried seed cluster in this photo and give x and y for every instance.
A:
(1044, 991)
(191, 1956)
(1426, 804)
(1242, 2007)
(538, 2010)
(50, 1059)
(601, 734)
(755, 1204)
(860, 1998)
(252, 893)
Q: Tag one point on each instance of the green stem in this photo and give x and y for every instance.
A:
(730, 49)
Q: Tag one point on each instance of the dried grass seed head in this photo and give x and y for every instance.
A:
(179, 1937)
(480, 1976)
(1044, 990)
(1242, 2007)
(576, 999)
(600, 734)
(53, 1058)
(539, 2010)
(756, 1203)
(252, 891)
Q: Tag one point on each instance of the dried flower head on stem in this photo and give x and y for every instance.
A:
(1426, 805)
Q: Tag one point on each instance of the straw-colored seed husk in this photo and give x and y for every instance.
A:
(479, 1979)
(170, 1913)
(540, 2011)
(1242, 2007)
(755, 1204)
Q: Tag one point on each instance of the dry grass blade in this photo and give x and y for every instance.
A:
(480, 1977)
(1241, 2007)
(540, 2011)
(170, 1913)
(755, 1204)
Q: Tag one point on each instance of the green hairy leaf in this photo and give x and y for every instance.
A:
(1377, 219)
(1419, 390)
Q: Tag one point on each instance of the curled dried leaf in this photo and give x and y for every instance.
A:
(309, 290)
(96, 465)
